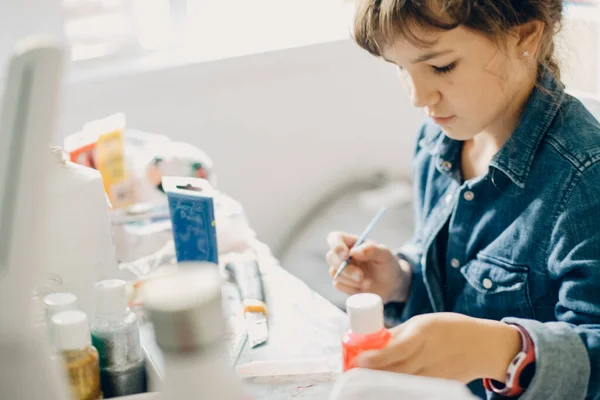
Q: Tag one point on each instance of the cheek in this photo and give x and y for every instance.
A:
(479, 93)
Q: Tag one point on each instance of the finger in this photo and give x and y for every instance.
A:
(344, 288)
(341, 242)
(400, 349)
(332, 259)
(409, 367)
(370, 251)
(434, 371)
(344, 280)
(396, 330)
(349, 274)
(352, 272)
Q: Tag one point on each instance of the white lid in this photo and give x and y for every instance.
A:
(57, 302)
(71, 330)
(366, 313)
(185, 307)
(111, 296)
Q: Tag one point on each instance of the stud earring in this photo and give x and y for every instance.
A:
(525, 54)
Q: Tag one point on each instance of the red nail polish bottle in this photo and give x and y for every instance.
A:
(367, 331)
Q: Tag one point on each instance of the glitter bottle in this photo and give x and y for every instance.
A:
(73, 343)
(115, 334)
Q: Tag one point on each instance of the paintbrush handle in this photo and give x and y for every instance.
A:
(361, 240)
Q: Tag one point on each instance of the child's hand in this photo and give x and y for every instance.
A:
(446, 345)
(373, 269)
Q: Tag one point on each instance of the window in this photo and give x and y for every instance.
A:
(100, 28)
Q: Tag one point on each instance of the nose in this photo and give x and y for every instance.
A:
(422, 93)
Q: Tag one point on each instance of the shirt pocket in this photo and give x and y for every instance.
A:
(494, 289)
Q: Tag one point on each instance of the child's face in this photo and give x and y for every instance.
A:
(465, 81)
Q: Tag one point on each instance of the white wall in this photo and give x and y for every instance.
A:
(281, 127)
(19, 18)
(284, 126)
(578, 50)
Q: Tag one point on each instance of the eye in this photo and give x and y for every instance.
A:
(444, 70)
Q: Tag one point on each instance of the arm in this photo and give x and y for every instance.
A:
(568, 351)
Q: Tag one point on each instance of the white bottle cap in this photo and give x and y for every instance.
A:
(57, 302)
(185, 307)
(366, 313)
(111, 296)
(71, 330)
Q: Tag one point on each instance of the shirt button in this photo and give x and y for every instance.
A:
(455, 263)
(448, 199)
(422, 143)
(468, 195)
(447, 164)
(487, 283)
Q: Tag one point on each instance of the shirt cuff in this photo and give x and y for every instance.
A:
(562, 362)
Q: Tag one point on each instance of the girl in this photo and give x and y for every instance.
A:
(501, 281)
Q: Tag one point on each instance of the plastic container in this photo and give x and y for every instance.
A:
(115, 334)
(185, 309)
(73, 343)
(55, 303)
(367, 331)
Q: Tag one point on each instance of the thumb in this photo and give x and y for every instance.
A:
(340, 243)
(400, 348)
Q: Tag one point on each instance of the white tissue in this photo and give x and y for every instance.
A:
(358, 384)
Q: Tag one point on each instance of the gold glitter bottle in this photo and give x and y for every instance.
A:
(73, 343)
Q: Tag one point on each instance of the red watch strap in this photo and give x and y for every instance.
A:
(525, 357)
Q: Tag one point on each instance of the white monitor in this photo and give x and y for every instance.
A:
(27, 123)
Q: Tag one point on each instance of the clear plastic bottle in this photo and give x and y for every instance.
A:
(55, 303)
(115, 333)
(186, 311)
(367, 330)
(73, 343)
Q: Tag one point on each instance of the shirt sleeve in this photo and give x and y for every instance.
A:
(568, 350)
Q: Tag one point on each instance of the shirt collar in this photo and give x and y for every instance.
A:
(516, 155)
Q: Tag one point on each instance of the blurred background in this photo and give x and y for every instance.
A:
(307, 131)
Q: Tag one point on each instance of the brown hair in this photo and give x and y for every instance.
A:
(379, 22)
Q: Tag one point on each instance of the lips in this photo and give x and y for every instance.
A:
(442, 120)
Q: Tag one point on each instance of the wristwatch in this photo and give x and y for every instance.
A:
(520, 370)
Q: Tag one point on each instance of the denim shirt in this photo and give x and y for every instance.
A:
(523, 241)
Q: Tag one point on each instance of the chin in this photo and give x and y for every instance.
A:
(458, 133)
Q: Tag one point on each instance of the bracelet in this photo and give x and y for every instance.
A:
(520, 370)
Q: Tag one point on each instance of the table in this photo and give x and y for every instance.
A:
(302, 324)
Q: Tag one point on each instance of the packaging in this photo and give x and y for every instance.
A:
(192, 211)
(100, 145)
(110, 158)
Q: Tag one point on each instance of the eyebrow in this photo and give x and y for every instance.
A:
(424, 57)
(430, 55)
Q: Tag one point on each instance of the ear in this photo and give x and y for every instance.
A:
(529, 36)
